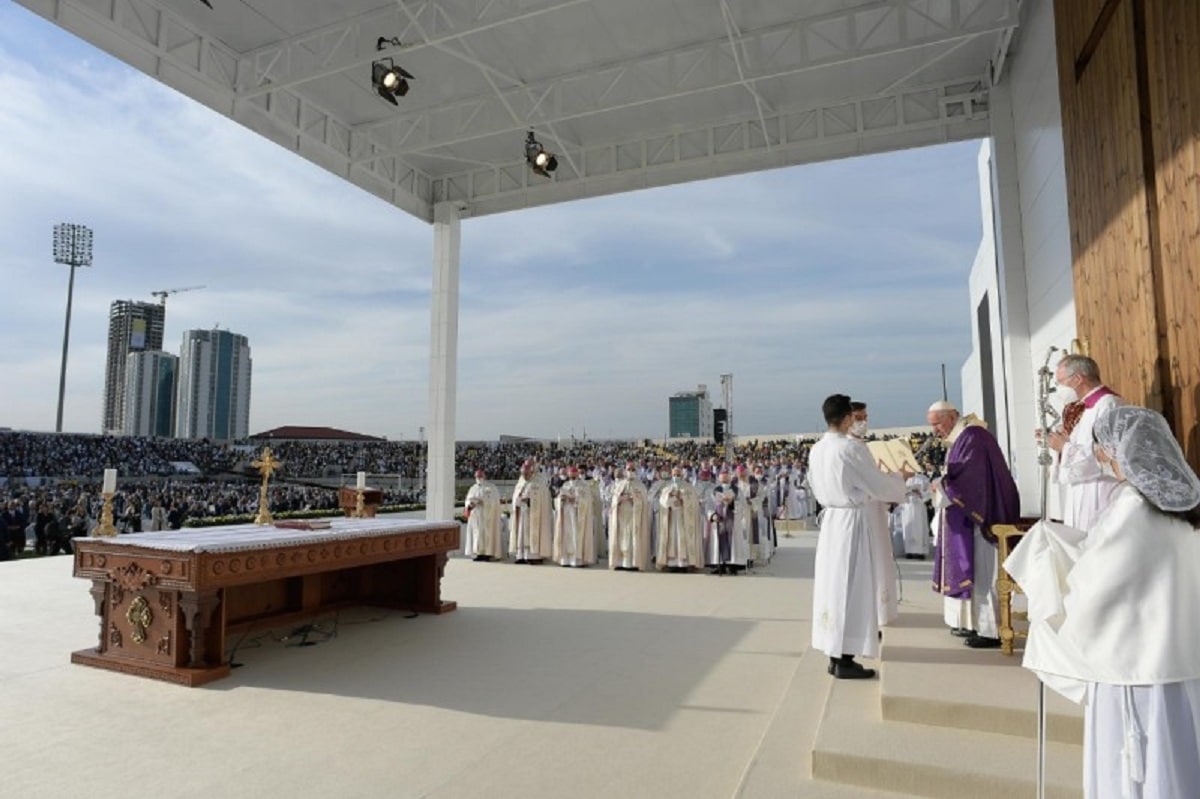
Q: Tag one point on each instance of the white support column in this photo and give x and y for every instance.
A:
(443, 363)
(1020, 382)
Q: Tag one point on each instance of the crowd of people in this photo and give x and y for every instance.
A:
(82, 457)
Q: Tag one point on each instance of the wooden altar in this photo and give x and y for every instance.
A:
(169, 601)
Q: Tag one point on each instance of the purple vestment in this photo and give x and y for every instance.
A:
(981, 492)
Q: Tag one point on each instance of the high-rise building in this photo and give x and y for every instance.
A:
(132, 327)
(691, 414)
(213, 395)
(150, 394)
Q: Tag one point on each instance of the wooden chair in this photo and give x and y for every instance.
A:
(1007, 538)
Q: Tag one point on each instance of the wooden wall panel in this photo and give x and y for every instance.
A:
(1173, 56)
(1106, 195)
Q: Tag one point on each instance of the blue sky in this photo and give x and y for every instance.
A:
(843, 276)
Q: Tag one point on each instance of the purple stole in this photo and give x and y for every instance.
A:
(981, 492)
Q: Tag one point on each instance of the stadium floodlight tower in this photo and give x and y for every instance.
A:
(727, 392)
(73, 247)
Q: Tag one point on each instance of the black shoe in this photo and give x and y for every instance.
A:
(849, 670)
(981, 642)
(961, 632)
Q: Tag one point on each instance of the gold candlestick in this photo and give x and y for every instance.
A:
(266, 465)
(359, 509)
(106, 528)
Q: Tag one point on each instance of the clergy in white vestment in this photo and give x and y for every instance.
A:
(1084, 487)
(605, 486)
(1113, 615)
(531, 530)
(727, 548)
(575, 514)
(680, 543)
(656, 480)
(896, 529)
(845, 479)
(914, 517)
(887, 576)
(629, 524)
(799, 500)
(754, 494)
(600, 518)
(483, 520)
(766, 515)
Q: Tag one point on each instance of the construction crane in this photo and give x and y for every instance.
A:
(162, 295)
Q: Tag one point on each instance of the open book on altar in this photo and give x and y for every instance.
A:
(894, 455)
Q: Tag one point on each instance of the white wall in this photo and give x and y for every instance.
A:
(1032, 235)
(983, 282)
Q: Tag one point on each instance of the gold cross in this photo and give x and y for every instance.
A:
(266, 464)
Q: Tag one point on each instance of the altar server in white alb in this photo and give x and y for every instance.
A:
(483, 520)
(575, 510)
(887, 576)
(1114, 613)
(845, 480)
(680, 540)
(531, 531)
(1085, 488)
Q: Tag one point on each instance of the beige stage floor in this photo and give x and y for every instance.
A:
(546, 682)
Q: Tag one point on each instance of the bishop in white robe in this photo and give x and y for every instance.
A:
(1084, 487)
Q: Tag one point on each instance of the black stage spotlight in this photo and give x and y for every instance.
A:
(389, 80)
(540, 161)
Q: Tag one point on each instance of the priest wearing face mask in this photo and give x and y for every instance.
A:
(887, 577)
(1085, 485)
(680, 544)
(728, 525)
(629, 524)
(975, 491)
(483, 520)
(575, 510)
(750, 489)
(531, 533)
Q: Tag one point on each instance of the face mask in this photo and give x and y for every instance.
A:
(1067, 393)
(859, 428)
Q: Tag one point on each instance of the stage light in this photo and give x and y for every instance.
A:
(540, 161)
(389, 80)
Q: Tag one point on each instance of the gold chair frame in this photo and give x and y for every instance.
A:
(1007, 538)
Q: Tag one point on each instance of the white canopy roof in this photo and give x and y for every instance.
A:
(627, 93)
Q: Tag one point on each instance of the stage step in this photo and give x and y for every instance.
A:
(855, 746)
(780, 767)
(929, 677)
